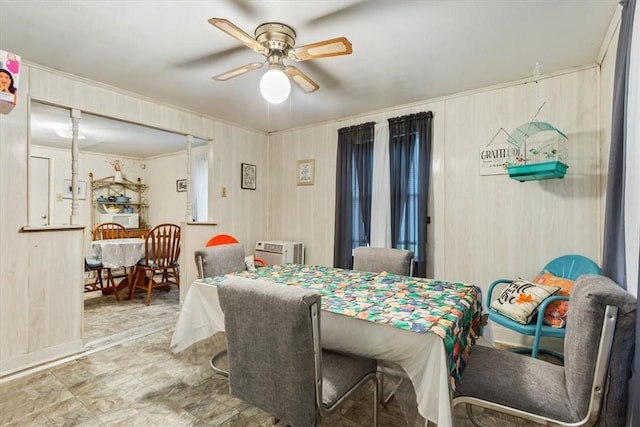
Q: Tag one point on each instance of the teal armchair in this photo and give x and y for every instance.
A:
(567, 266)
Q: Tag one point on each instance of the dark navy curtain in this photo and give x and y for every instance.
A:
(354, 177)
(614, 255)
(410, 168)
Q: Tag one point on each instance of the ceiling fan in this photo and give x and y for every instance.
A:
(276, 41)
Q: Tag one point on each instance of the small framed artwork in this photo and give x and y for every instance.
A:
(248, 176)
(81, 192)
(306, 171)
(181, 185)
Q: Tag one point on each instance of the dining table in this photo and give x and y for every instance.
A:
(424, 325)
(120, 253)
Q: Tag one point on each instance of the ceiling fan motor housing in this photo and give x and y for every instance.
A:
(276, 37)
(277, 42)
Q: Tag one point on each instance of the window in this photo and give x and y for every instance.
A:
(200, 178)
(409, 148)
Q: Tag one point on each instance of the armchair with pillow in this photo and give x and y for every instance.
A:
(516, 306)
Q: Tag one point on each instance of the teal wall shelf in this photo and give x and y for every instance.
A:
(537, 171)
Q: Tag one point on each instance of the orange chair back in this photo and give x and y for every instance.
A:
(227, 239)
(221, 239)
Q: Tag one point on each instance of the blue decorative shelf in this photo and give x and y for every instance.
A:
(536, 171)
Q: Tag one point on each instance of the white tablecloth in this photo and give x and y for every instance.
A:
(116, 253)
(422, 356)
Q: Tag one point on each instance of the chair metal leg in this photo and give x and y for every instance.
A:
(384, 400)
(213, 360)
(380, 376)
(471, 416)
(376, 392)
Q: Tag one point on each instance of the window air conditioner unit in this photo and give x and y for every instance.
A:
(279, 252)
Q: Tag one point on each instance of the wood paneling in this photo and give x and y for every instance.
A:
(14, 246)
(498, 227)
(55, 288)
(482, 227)
(27, 299)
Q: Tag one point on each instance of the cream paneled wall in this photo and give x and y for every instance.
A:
(482, 227)
(165, 203)
(607, 74)
(29, 308)
(304, 213)
(497, 227)
(242, 213)
(14, 246)
(40, 285)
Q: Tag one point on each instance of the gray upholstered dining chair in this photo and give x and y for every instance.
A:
(590, 388)
(377, 260)
(276, 362)
(215, 261)
(396, 261)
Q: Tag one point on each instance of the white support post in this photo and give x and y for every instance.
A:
(75, 154)
(189, 215)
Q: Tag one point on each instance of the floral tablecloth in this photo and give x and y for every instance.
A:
(450, 310)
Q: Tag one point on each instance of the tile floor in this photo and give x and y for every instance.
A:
(129, 377)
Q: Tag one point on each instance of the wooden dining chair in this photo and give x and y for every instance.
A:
(109, 230)
(106, 230)
(97, 283)
(159, 267)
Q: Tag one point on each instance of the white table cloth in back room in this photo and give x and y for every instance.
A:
(117, 253)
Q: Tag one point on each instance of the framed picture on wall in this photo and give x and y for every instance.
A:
(306, 171)
(181, 185)
(248, 176)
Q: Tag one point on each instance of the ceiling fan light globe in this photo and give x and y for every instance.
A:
(275, 86)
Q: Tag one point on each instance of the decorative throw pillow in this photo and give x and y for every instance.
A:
(556, 313)
(250, 262)
(520, 300)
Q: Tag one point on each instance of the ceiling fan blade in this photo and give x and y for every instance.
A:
(238, 71)
(301, 79)
(207, 59)
(323, 49)
(245, 6)
(238, 34)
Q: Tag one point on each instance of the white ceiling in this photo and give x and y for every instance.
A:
(403, 51)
